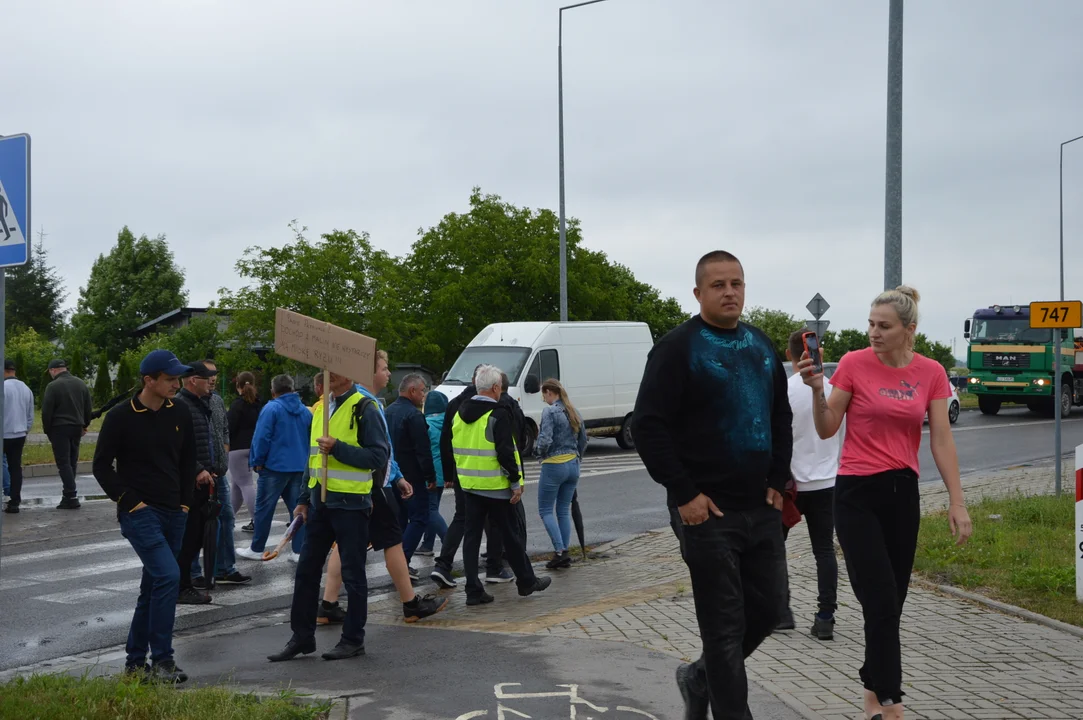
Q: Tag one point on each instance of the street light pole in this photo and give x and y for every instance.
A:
(1057, 400)
(893, 174)
(560, 131)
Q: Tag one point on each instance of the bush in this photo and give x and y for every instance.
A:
(103, 384)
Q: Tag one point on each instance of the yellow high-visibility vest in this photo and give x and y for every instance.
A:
(341, 478)
(475, 455)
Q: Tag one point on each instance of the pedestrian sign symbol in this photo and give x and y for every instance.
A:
(14, 199)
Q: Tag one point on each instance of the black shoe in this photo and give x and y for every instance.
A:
(414, 574)
(696, 701)
(823, 628)
(343, 651)
(167, 672)
(786, 623)
(539, 585)
(249, 528)
(422, 606)
(293, 649)
(199, 583)
(139, 673)
(69, 504)
(483, 599)
(12, 509)
(330, 613)
(443, 578)
(191, 596)
(560, 561)
(234, 578)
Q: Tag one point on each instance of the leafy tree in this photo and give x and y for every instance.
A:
(103, 385)
(34, 293)
(32, 352)
(776, 324)
(137, 281)
(837, 345)
(126, 373)
(197, 340)
(76, 357)
(935, 350)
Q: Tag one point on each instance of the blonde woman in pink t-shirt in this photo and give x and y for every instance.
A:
(884, 393)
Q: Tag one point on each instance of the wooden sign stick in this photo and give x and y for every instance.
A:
(326, 429)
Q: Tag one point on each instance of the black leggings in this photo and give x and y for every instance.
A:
(877, 519)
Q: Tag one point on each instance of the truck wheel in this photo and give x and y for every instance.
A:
(1065, 400)
(624, 437)
(530, 436)
(1036, 406)
(988, 405)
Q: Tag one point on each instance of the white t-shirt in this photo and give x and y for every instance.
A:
(815, 462)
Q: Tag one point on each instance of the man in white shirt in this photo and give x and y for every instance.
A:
(814, 465)
(18, 418)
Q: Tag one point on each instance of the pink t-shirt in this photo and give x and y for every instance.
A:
(887, 410)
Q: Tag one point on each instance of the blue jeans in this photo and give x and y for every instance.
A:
(271, 486)
(225, 558)
(437, 525)
(555, 490)
(155, 535)
(417, 518)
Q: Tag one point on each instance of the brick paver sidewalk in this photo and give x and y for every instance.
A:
(961, 660)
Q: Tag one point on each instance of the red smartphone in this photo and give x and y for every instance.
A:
(812, 347)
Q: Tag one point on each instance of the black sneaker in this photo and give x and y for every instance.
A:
(539, 585)
(139, 673)
(191, 596)
(696, 701)
(823, 628)
(483, 599)
(504, 576)
(424, 552)
(786, 623)
(330, 614)
(414, 574)
(422, 606)
(69, 504)
(343, 651)
(560, 561)
(234, 578)
(11, 509)
(199, 583)
(249, 528)
(443, 578)
(167, 672)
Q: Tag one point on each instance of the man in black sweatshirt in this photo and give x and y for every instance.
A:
(713, 425)
(145, 462)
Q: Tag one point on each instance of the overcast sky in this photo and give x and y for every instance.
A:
(690, 126)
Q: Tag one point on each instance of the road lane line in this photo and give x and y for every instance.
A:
(65, 552)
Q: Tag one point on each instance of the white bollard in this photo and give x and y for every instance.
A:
(1079, 523)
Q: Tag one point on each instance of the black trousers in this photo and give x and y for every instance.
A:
(737, 563)
(65, 440)
(193, 536)
(877, 519)
(13, 451)
(494, 548)
(350, 529)
(817, 506)
(505, 517)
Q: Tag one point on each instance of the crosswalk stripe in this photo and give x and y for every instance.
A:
(43, 555)
(126, 563)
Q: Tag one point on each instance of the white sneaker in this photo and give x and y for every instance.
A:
(249, 554)
(291, 556)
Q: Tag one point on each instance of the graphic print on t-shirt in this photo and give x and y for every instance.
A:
(908, 391)
(736, 368)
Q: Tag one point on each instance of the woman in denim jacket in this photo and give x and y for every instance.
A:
(562, 440)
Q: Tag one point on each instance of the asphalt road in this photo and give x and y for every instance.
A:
(68, 580)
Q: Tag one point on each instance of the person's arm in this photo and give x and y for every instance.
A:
(829, 410)
(88, 407)
(545, 432)
(105, 455)
(447, 454)
(261, 438)
(582, 440)
(189, 463)
(942, 444)
(418, 430)
(233, 419)
(657, 410)
(504, 438)
(781, 430)
(375, 451)
(47, 401)
(29, 409)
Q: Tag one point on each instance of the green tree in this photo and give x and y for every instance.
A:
(76, 357)
(776, 324)
(126, 373)
(34, 293)
(837, 345)
(197, 340)
(137, 281)
(103, 384)
(32, 352)
(935, 350)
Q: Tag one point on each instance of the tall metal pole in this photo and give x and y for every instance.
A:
(1057, 389)
(893, 179)
(560, 132)
(3, 342)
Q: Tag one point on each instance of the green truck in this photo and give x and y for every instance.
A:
(1008, 361)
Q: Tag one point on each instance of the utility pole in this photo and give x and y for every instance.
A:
(893, 179)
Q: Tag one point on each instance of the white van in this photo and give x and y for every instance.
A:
(599, 363)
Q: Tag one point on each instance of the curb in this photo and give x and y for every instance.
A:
(48, 469)
(1002, 607)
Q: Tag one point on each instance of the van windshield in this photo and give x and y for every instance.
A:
(511, 360)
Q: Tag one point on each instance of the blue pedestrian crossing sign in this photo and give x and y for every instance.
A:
(14, 200)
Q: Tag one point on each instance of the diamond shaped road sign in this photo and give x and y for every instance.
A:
(818, 306)
(817, 326)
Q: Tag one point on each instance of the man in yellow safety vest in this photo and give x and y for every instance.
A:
(487, 467)
(355, 446)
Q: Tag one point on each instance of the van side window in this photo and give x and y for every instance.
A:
(550, 365)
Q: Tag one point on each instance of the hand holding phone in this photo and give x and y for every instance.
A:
(812, 347)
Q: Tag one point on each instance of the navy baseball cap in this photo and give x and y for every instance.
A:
(162, 361)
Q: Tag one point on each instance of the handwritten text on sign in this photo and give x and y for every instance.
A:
(325, 346)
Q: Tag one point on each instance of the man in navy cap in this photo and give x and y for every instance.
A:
(146, 463)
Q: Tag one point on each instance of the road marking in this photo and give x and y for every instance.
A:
(13, 583)
(75, 597)
(87, 570)
(1005, 425)
(43, 555)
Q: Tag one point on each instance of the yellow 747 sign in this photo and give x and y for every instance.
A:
(1063, 314)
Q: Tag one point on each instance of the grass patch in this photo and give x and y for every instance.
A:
(1026, 558)
(42, 453)
(95, 425)
(968, 400)
(41, 697)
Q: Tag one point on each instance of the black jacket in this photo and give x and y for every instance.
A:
(147, 456)
(470, 411)
(242, 418)
(410, 439)
(518, 419)
(208, 456)
(66, 402)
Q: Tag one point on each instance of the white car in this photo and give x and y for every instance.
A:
(954, 406)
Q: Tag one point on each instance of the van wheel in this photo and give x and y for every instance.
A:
(624, 437)
(530, 436)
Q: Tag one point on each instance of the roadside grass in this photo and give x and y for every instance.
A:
(1025, 558)
(42, 453)
(95, 425)
(41, 697)
(968, 401)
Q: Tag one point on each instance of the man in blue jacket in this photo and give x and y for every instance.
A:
(279, 455)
